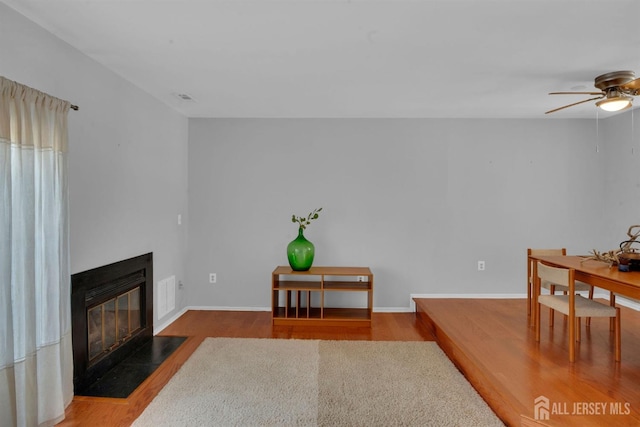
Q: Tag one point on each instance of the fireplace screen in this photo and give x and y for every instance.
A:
(113, 322)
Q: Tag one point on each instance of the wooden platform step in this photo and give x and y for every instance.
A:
(490, 341)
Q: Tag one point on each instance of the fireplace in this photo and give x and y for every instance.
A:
(112, 316)
(112, 323)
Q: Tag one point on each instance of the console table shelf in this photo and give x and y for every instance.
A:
(304, 296)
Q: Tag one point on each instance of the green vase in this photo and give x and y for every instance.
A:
(300, 253)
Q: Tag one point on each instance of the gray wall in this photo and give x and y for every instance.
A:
(127, 156)
(621, 196)
(418, 201)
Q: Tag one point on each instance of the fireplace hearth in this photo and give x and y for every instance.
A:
(112, 316)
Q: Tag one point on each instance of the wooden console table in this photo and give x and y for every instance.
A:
(305, 294)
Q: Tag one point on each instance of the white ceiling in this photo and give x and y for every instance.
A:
(358, 58)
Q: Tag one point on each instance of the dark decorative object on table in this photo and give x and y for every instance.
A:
(300, 251)
(629, 257)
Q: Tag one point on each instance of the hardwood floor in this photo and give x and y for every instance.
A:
(492, 344)
(489, 340)
(198, 325)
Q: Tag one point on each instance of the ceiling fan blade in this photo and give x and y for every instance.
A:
(632, 85)
(576, 93)
(575, 103)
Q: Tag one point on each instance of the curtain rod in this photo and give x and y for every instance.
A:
(72, 106)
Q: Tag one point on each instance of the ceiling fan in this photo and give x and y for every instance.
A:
(617, 90)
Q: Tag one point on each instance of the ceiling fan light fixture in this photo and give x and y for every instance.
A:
(615, 103)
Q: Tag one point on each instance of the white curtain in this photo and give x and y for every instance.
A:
(36, 361)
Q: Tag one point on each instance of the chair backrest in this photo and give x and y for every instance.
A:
(543, 252)
(556, 275)
(546, 252)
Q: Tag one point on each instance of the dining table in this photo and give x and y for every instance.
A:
(593, 272)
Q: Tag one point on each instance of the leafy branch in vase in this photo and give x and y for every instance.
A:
(304, 221)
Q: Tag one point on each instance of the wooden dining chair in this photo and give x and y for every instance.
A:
(552, 287)
(581, 307)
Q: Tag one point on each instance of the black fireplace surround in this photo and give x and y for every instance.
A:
(99, 286)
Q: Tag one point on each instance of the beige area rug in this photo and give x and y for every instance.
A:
(279, 382)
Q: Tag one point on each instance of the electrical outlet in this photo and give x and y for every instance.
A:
(480, 265)
(212, 278)
(180, 284)
(362, 278)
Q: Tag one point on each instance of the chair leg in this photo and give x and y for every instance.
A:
(537, 320)
(552, 291)
(590, 297)
(572, 341)
(617, 335)
(612, 303)
(530, 303)
(529, 286)
(578, 328)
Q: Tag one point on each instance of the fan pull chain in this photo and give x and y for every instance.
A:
(597, 132)
(632, 133)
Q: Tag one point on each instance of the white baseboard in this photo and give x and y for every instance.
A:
(158, 328)
(218, 308)
(169, 321)
(412, 304)
(635, 305)
(392, 310)
(626, 302)
(620, 300)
